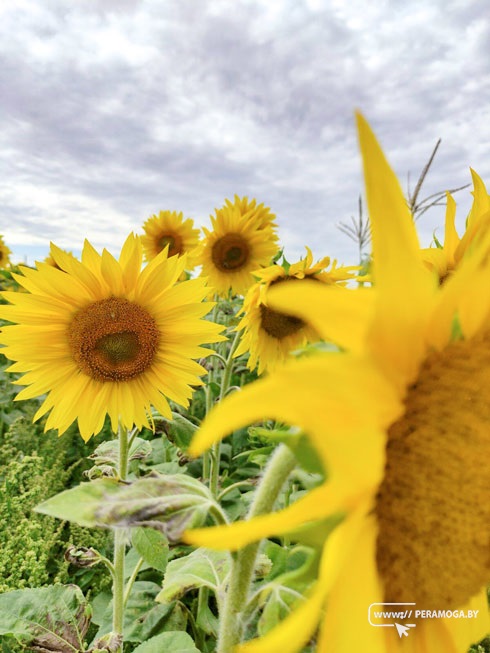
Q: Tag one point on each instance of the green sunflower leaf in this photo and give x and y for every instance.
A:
(80, 504)
(143, 618)
(170, 503)
(201, 568)
(54, 618)
(171, 641)
(152, 547)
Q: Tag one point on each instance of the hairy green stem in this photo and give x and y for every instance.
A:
(120, 544)
(276, 473)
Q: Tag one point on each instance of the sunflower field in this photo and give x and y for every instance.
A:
(256, 455)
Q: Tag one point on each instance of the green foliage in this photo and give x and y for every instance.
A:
(291, 573)
(482, 647)
(33, 466)
(152, 546)
(171, 503)
(54, 618)
(201, 568)
(177, 642)
(143, 617)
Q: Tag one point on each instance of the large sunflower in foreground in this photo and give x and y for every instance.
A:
(4, 254)
(401, 420)
(101, 336)
(445, 257)
(169, 229)
(271, 335)
(242, 240)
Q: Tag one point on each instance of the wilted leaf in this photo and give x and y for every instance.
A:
(53, 619)
(172, 641)
(107, 453)
(170, 503)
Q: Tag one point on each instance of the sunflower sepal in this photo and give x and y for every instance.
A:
(314, 534)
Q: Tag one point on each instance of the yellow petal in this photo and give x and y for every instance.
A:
(112, 273)
(401, 279)
(351, 570)
(481, 199)
(90, 257)
(130, 261)
(451, 238)
(466, 293)
(76, 269)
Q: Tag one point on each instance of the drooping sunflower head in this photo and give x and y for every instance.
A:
(4, 254)
(169, 230)
(101, 336)
(270, 335)
(242, 240)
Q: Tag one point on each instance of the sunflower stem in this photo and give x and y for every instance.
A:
(276, 473)
(120, 544)
(225, 384)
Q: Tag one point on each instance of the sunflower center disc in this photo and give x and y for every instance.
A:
(174, 243)
(433, 506)
(279, 325)
(230, 253)
(113, 339)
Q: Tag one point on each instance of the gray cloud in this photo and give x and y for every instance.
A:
(112, 111)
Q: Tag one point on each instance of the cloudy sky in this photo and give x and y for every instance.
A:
(114, 109)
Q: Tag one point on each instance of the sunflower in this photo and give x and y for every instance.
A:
(401, 420)
(4, 254)
(101, 336)
(444, 258)
(270, 335)
(242, 239)
(169, 229)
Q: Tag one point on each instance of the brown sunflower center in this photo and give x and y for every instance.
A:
(113, 339)
(230, 252)
(433, 506)
(174, 243)
(279, 325)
